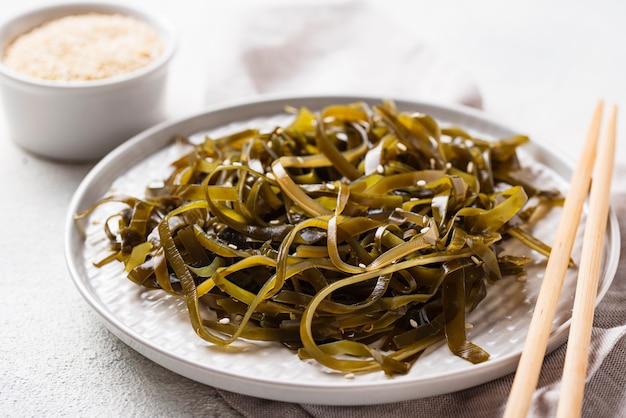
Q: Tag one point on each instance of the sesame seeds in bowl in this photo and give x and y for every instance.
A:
(87, 46)
(91, 74)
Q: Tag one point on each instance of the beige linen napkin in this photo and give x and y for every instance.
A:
(343, 48)
(349, 49)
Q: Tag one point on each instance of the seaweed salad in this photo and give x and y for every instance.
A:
(357, 235)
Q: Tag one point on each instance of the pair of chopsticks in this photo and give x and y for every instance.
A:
(575, 367)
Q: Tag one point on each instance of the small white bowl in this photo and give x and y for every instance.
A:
(82, 120)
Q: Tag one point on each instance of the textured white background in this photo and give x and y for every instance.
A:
(539, 66)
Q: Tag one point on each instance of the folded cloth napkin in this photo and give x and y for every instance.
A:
(348, 49)
(341, 49)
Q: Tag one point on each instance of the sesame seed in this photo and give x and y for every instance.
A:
(402, 147)
(475, 259)
(421, 183)
(156, 184)
(468, 325)
(432, 163)
(349, 375)
(424, 229)
(224, 320)
(380, 169)
(413, 323)
(233, 246)
(470, 166)
(362, 265)
(330, 186)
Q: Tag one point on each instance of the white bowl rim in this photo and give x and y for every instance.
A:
(163, 27)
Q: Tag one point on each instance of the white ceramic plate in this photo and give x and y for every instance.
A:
(156, 325)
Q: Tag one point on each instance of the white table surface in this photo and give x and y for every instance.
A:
(540, 67)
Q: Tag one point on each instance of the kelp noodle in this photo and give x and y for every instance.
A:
(357, 235)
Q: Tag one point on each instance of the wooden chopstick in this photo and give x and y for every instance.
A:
(577, 355)
(534, 350)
